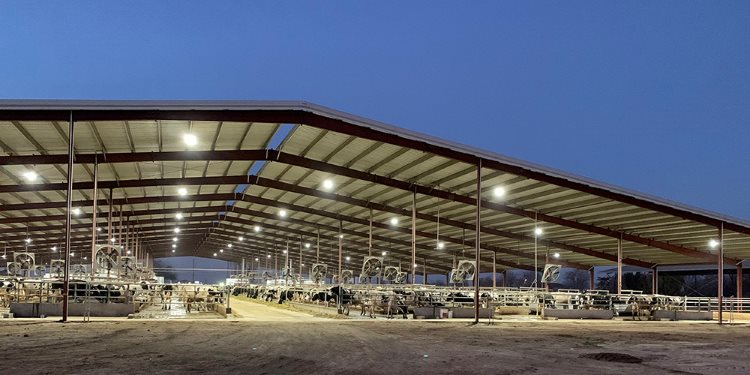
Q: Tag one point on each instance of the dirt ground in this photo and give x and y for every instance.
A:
(268, 340)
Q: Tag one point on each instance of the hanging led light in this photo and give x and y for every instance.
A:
(498, 192)
(178, 216)
(394, 221)
(241, 238)
(307, 245)
(190, 139)
(30, 176)
(556, 255)
(229, 245)
(256, 228)
(182, 191)
(441, 245)
(328, 184)
(712, 243)
(538, 231)
(282, 213)
(177, 230)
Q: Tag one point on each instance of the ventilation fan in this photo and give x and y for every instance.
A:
(40, 270)
(107, 257)
(25, 262)
(79, 270)
(371, 267)
(390, 273)
(347, 276)
(57, 267)
(551, 273)
(126, 266)
(465, 271)
(287, 272)
(318, 272)
(400, 278)
(14, 269)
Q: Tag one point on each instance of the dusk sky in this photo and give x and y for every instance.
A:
(650, 96)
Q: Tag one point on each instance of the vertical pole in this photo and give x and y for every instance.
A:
(94, 209)
(505, 277)
(300, 257)
(119, 230)
(619, 264)
(369, 242)
(536, 258)
(341, 248)
(127, 236)
(655, 280)
(739, 280)
(69, 203)
(494, 270)
(413, 237)
(317, 248)
(720, 273)
(424, 271)
(109, 219)
(477, 241)
(591, 278)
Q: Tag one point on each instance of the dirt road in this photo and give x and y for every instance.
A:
(272, 344)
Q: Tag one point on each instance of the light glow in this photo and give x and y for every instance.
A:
(54, 248)
(712, 243)
(229, 245)
(282, 213)
(328, 184)
(182, 191)
(28, 240)
(174, 239)
(394, 221)
(214, 254)
(178, 216)
(538, 231)
(30, 176)
(385, 253)
(256, 228)
(498, 192)
(441, 245)
(177, 230)
(190, 139)
(556, 255)
(76, 211)
(307, 245)
(241, 238)
(348, 258)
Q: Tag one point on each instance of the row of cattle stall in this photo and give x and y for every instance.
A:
(107, 296)
(403, 299)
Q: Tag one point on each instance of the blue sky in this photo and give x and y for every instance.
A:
(652, 96)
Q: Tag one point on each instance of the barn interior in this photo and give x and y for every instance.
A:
(326, 210)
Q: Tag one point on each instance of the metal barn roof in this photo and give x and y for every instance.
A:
(254, 158)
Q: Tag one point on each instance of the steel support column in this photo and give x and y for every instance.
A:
(341, 248)
(655, 280)
(369, 243)
(69, 204)
(591, 279)
(109, 219)
(94, 209)
(413, 264)
(477, 241)
(494, 270)
(720, 274)
(739, 280)
(619, 265)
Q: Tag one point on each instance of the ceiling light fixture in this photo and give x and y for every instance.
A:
(190, 139)
(30, 176)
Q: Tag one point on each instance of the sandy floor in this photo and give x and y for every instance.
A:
(268, 340)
